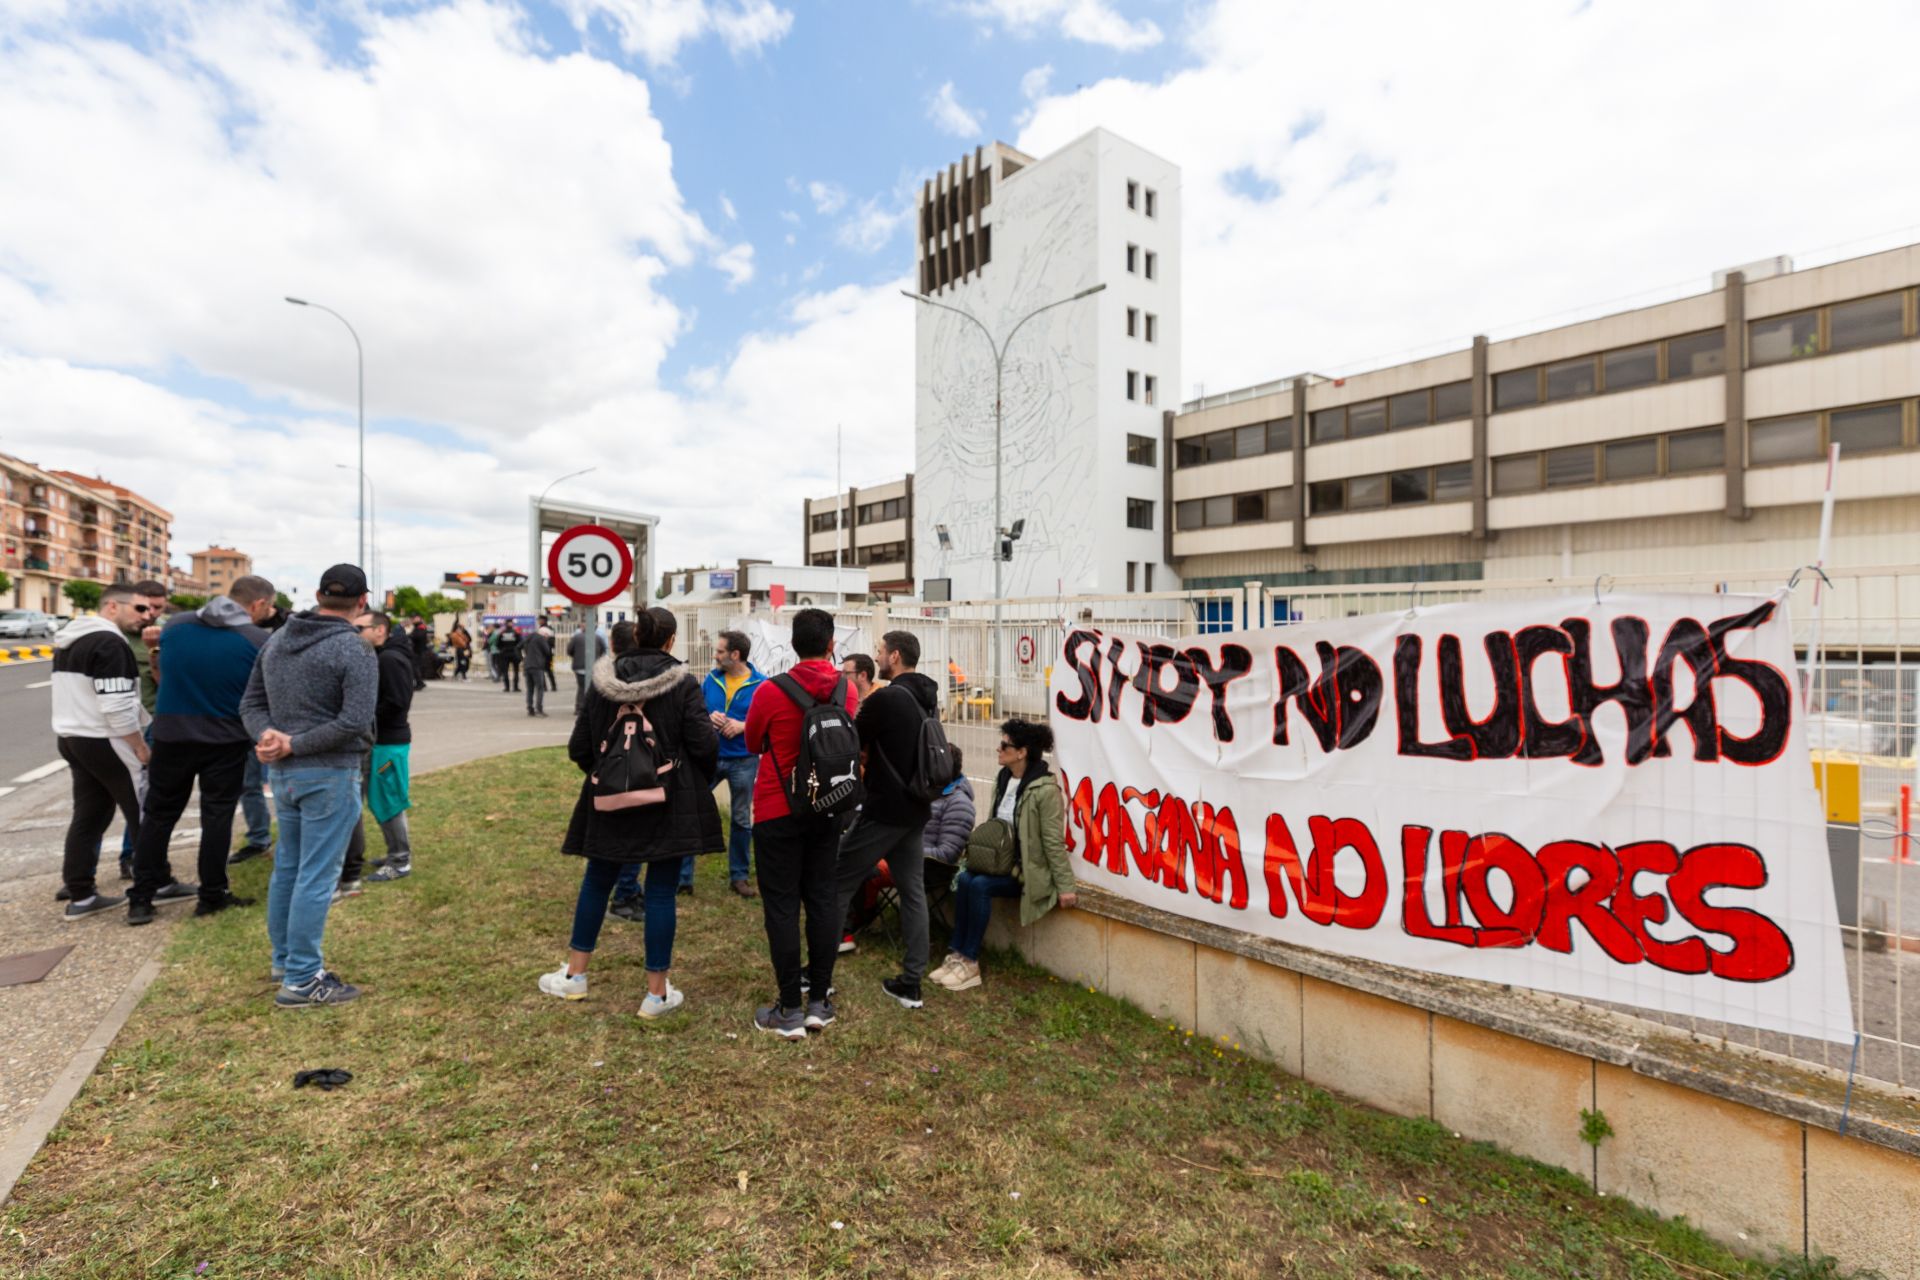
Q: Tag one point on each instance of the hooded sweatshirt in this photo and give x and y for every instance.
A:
(317, 683)
(391, 727)
(96, 683)
(209, 655)
(889, 725)
(773, 729)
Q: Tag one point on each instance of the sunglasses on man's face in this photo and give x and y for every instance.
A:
(144, 608)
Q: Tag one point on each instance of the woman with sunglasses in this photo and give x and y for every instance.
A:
(1027, 797)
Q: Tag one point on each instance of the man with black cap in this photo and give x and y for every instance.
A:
(309, 707)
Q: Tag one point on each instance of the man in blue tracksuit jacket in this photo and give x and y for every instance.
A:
(729, 690)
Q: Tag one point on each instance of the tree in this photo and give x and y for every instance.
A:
(185, 601)
(407, 601)
(85, 595)
(6, 584)
(281, 600)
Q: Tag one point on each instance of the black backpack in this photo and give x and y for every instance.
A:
(825, 782)
(629, 772)
(932, 767)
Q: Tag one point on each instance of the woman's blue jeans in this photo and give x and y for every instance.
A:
(973, 897)
(596, 886)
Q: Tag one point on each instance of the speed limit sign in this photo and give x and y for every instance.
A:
(1023, 649)
(590, 564)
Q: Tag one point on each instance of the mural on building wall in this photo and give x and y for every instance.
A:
(1043, 250)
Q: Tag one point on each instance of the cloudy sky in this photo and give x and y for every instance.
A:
(665, 237)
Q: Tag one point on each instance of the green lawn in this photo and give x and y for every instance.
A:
(1028, 1129)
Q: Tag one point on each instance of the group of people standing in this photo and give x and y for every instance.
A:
(828, 775)
(318, 700)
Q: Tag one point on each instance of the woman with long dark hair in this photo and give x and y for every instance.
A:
(613, 833)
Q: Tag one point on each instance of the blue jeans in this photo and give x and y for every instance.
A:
(253, 804)
(973, 897)
(318, 810)
(739, 772)
(662, 916)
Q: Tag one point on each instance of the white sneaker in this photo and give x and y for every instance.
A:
(945, 971)
(559, 984)
(660, 1006)
(965, 976)
(348, 889)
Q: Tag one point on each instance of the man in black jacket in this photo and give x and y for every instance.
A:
(386, 773)
(537, 651)
(891, 821)
(422, 651)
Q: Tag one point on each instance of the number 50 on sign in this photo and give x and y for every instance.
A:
(590, 564)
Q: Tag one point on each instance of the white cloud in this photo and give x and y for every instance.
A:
(1089, 21)
(726, 207)
(827, 197)
(872, 225)
(788, 215)
(657, 30)
(1034, 83)
(948, 116)
(737, 263)
(1473, 180)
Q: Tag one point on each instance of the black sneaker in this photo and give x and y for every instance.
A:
(819, 1015)
(178, 891)
(213, 906)
(626, 908)
(126, 868)
(140, 913)
(907, 993)
(686, 891)
(788, 1024)
(93, 906)
(247, 853)
(327, 989)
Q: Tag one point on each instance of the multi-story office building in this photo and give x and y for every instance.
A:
(52, 531)
(1083, 386)
(218, 567)
(1691, 435)
(874, 530)
(142, 532)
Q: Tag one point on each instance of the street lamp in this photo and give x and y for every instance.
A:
(533, 539)
(360, 363)
(373, 520)
(999, 370)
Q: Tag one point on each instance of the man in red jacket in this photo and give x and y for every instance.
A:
(797, 857)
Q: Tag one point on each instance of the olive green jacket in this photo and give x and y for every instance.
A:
(1040, 825)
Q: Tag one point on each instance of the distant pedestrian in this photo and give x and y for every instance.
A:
(644, 730)
(422, 652)
(386, 775)
(553, 645)
(310, 709)
(729, 690)
(200, 740)
(860, 669)
(508, 643)
(576, 647)
(460, 640)
(537, 651)
(490, 645)
(100, 728)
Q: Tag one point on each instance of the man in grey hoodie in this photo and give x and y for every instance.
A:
(309, 707)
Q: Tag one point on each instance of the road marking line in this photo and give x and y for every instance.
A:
(44, 771)
(6, 791)
(40, 684)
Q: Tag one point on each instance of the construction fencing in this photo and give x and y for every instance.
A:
(1857, 632)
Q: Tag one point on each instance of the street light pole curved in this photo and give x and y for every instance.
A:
(360, 367)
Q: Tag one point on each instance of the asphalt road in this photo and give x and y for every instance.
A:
(26, 707)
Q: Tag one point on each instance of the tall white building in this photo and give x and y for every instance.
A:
(1086, 387)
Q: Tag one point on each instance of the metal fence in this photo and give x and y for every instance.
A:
(1857, 633)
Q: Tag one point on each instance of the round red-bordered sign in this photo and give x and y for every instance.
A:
(1023, 649)
(590, 564)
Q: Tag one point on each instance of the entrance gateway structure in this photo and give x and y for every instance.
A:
(554, 515)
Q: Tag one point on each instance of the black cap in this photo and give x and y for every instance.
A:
(343, 581)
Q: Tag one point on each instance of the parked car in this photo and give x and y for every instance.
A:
(24, 624)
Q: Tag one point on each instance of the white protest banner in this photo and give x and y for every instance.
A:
(772, 642)
(1607, 800)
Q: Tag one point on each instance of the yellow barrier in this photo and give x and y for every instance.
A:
(1838, 778)
(27, 653)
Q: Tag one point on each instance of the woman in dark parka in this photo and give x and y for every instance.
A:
(658, 836)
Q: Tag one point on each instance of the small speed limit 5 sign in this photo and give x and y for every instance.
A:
(590, 564)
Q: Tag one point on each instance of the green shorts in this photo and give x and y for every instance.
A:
(387, 792)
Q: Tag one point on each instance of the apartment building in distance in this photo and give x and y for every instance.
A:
(218, 567)
(1015, 243)
(52, 531)
(874, 529)
(142, 531)
(1691, 435)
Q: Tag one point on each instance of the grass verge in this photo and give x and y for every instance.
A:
(1032, 1128)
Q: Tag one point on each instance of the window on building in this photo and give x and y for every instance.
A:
(1133, 322)
(1133, 195)
(1153, 203)
(1219, 510)
(1408, 409)
(1571, 379)
(1280, 503)
(1866, 430)
(1133, 385)
(1696, 450)
(1250, 508)
(1327, 495)
(1150, 386)
(1280, 435)
(1133, 259)
(1366, 491)
(1146, 574)
(1139, 513)
(1153, 327)
(1631, 367)
(1696, 354)
(1219, 446)
(1404, 487)
(1632, 459)
(1519, 473)
(1190, 514)
(1865, 322)
(1142, 451)
(820, 558)
(825, 520)
(1250, 441)
(1795, 439)
(1328, 424)
(1452, 401)
(1453, 482)
(1368, 419)
(1153, 265)
(1780, 338)
(1570, 466)
(1130, 586)
(1190, 452)
(1516, 388)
